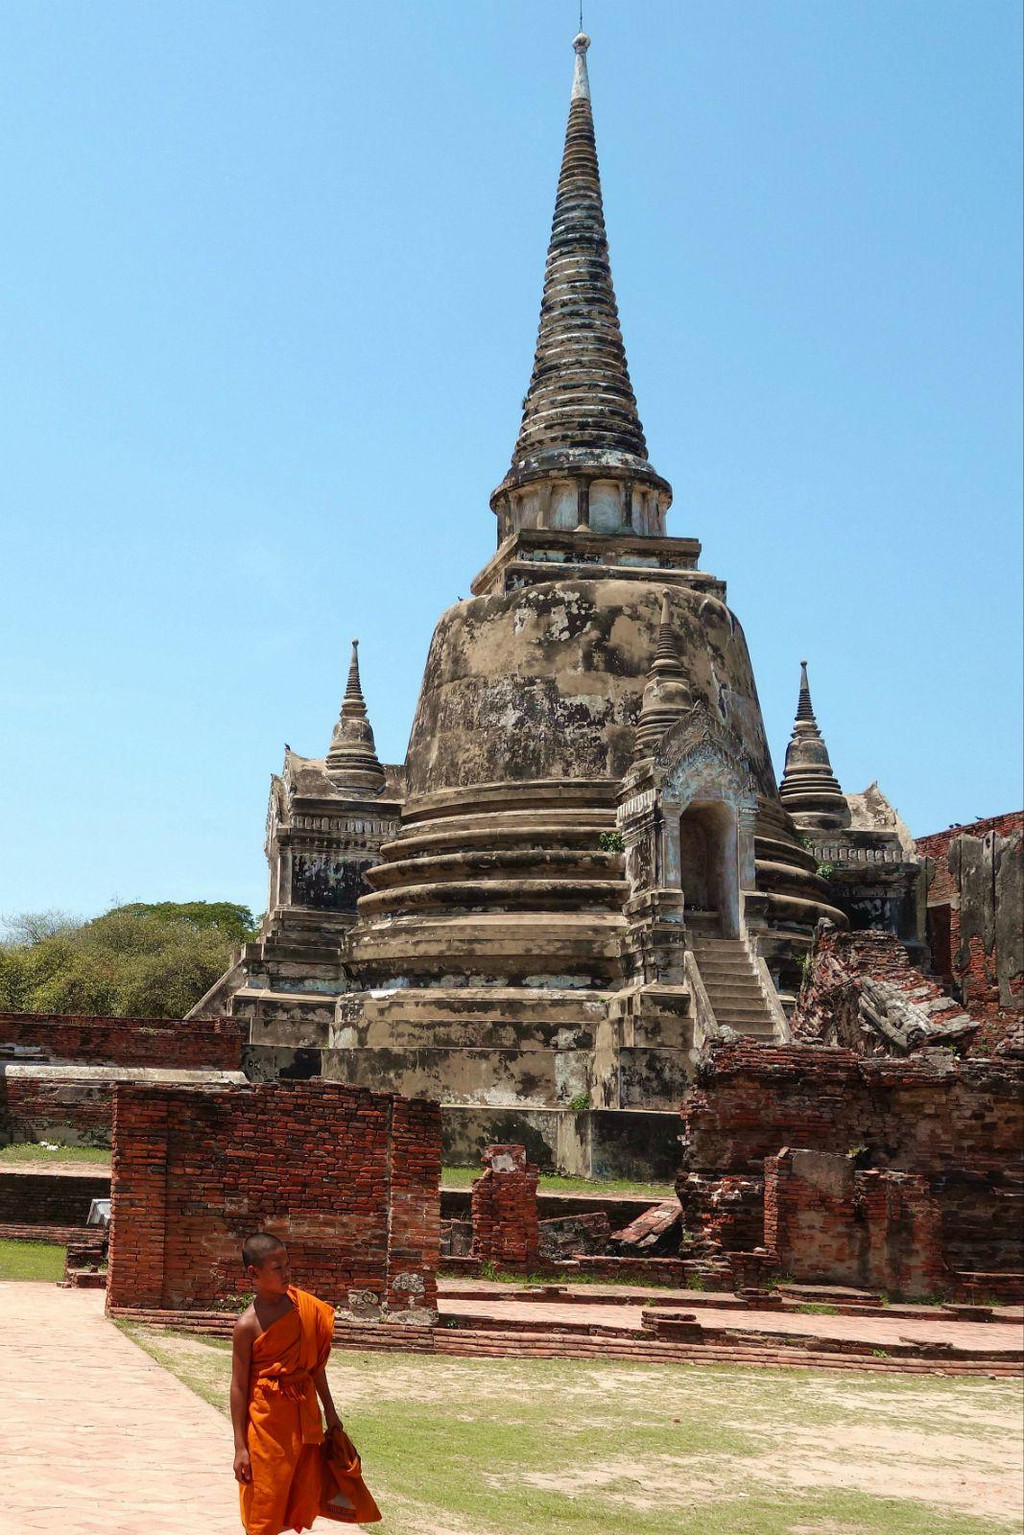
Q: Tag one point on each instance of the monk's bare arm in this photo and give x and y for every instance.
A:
(241, 1363)
(323, 1391)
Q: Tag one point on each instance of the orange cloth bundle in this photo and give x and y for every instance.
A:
(344, 1496)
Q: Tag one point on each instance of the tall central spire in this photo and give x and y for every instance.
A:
(580, 421)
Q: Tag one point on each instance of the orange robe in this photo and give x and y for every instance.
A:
(285, 1429)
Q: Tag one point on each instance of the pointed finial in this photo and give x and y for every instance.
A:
(804, 710)
(353, 688)
(580, 419)
(581, 80)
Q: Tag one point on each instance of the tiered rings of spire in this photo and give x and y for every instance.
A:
(580, 459)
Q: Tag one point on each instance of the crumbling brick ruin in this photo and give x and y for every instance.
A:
(349, 1180)
(957, 1125)
(975, 915)
(862, 992)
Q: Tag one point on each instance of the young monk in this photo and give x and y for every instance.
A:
(280, 1348)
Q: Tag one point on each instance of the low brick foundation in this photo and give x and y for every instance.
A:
(348, 1179)
(57, 1074)
(30, 1198)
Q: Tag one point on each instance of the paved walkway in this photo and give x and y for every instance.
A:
(876, 1330)
(96, 1439)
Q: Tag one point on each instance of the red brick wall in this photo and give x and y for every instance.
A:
(826, 1223)
(32, 1198)
(348, 1179)
(196, 1042)
(936, 845)
(506, 1225)
(913, 1115)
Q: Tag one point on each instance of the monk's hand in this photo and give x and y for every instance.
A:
(243, 1466)
(333, 1422)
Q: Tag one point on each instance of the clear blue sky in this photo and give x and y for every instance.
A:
(271, 277)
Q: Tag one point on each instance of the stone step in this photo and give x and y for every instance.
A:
(512, 1004)
(743, 1018)
(729, 982)
(724, 961)
(722, 982)
(746, 1002)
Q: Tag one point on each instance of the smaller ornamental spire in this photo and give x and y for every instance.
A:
(667, 696)
(809, 789)
(352, 761)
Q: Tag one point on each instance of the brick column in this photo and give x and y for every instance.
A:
(506, 1226)
(138, 1208)
(414, 1223)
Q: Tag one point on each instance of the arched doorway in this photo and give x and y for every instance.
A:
(709, 868)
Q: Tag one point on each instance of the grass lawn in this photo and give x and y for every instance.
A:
(31, 1260)
(549, 1447)
(46, 1151)
(553, 1183)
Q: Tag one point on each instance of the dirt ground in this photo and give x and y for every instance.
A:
(500, 1447)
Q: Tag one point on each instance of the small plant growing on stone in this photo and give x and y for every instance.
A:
(695, 1282)
(489, 1270)
(825, 870)
(611, 842)
(580, 1104)
(879, 1353)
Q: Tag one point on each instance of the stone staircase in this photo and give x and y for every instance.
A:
(733, 988)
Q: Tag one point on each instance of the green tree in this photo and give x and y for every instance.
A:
(140, 960)
(236, 922)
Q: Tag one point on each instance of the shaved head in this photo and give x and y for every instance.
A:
(257, 1249)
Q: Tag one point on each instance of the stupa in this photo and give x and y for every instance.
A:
(584, 868)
